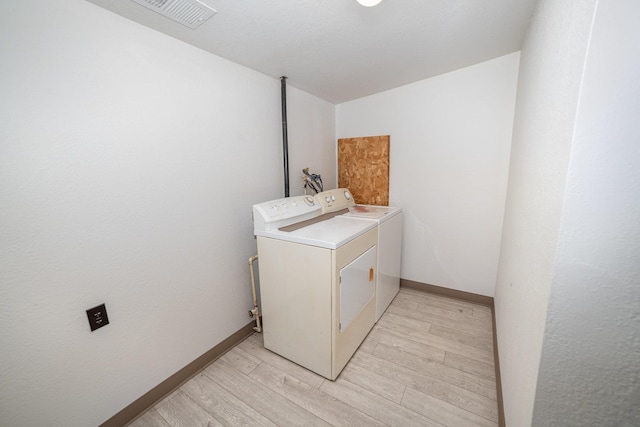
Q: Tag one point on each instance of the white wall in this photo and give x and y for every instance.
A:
(129, 162)
(450, 139)
(590, 364)
(548, 90)
(311, 129)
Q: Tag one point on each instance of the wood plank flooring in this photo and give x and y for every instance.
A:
(427, 362)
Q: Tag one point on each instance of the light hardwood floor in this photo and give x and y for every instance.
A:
(427, 362)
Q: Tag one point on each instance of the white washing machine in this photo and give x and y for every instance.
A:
(317, 281)
(389, 221)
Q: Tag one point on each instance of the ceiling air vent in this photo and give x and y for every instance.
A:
(191, 13)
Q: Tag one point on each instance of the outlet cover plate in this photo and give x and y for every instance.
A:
(97, 317)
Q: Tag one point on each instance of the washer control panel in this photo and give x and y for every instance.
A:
(335, 200)
(281, 212)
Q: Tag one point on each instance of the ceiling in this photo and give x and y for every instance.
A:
(338, 50)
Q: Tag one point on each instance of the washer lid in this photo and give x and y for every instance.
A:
(331, 233)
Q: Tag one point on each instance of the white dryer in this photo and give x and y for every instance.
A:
(317, 281)
(389, 221)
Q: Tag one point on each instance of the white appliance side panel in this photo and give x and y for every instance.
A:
(389, 257)
(295, 289)
(357, 286)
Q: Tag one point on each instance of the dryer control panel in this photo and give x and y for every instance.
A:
(334, 200)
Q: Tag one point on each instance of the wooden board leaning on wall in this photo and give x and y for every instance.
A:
(363, 168)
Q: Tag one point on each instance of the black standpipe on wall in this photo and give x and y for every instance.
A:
(285, 138)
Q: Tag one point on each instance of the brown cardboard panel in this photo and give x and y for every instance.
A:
(363, 168)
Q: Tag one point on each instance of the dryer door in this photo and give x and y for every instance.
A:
(357, 286)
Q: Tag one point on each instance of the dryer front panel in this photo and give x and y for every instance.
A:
(357, 286)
